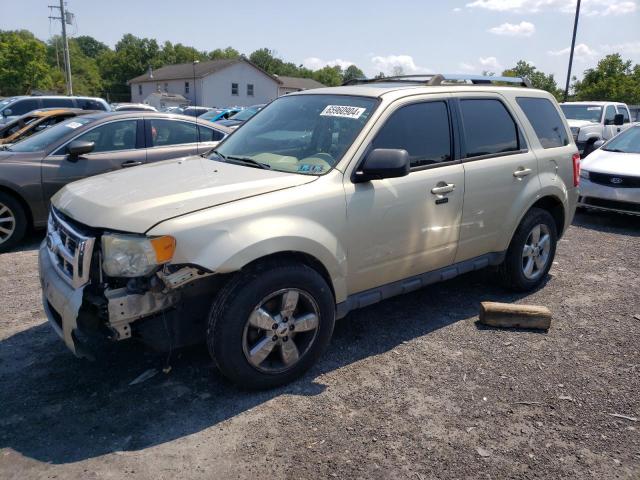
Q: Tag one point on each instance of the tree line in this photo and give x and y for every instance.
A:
(29, 65)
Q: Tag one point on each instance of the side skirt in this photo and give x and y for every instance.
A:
(377, 294)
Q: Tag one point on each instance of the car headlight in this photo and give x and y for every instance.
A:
(584, 173)
(134, 255)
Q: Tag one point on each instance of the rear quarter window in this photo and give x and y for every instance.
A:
(545, 121)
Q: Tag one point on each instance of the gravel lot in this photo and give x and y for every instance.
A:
(410, 388)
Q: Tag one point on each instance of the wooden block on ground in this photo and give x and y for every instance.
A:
(509, 315)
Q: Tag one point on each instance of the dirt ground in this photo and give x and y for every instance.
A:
(411, 388)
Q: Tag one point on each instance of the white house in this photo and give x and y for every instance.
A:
(214, 83)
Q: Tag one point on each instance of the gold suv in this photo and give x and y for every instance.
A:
(325, 201)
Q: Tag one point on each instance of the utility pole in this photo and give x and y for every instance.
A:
(573, 46)
(65, 17)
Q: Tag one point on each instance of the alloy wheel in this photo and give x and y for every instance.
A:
(7, 223)
(535, 254)
(280, 330)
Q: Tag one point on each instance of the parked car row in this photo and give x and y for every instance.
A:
(34, 169)
(34, 122)
(13, 107)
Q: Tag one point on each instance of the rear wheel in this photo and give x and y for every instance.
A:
(267, 327)
(531, 251)
(13, 222)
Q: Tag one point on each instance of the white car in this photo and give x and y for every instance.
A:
(611, 175)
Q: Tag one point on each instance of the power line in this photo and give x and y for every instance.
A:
(65, 18)
(573, 46)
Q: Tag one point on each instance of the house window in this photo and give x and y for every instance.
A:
(250, 89)
(166, 87)
(186, 87)
(234, 89)
(140, 89)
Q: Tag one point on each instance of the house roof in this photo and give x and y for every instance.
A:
(189, 70)
(299, 83)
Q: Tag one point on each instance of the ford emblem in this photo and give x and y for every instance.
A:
(616, 180)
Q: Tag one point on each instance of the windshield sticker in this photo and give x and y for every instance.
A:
(342, 111)
(74, 125)
(305, 167)
(593, 108)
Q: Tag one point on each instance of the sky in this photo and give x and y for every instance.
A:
(458, 36)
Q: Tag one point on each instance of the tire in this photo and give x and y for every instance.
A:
(257, 297)
(515, 269)
(13, 222)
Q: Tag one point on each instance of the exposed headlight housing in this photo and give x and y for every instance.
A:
(134, 255)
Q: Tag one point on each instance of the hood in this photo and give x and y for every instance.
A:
(134, 200)
(614, 163)
(580, 123)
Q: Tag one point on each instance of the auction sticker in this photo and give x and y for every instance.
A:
(344, 111)
(74, 125)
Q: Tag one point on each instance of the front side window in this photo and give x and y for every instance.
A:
(49, 136)
(171, 132)
(545, 120)
(610, 115)
(422, 129)
(625, 114)
(24, 106)
(488, 128)
(306, 134)
(234, 89)
(112, 136)
(250, 89)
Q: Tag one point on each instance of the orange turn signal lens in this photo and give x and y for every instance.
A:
(164, 248)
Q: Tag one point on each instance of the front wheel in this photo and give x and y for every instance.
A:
(531, 252)
(270, 325)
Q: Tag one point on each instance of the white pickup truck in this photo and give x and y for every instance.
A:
(591, 122)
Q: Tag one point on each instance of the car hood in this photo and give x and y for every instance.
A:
(614, 163)
(579, 123)
(134, 200)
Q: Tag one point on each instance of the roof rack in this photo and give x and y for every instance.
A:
(443, 79)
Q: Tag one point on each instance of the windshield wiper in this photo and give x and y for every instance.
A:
(249, 161)
(617, 150)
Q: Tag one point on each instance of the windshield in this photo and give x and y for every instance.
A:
(244, 115)
(626, 142)
(305, 134)
(40, 141)
(6, 101)
(590, 113)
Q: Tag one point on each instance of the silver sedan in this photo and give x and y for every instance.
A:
(610, 176)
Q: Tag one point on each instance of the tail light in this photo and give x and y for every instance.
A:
(576, 169)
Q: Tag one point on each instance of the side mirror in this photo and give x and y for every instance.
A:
(383, 163)
(7, 112)
(79, 147)
(618, 119)
(598, 143)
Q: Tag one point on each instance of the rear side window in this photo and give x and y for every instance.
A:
(171, 132)
(24, 106)
(57, 102)
(625, 114)
(488, 128)
(209, 134)
(545, 120)
(88, 104)
(422, 129)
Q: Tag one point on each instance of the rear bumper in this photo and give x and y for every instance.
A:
(60, 301)
(603, 197)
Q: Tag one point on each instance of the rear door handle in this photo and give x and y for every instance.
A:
(522, 172)
(443, 188)
(130, 163)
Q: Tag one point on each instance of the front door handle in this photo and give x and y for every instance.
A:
(522, 172)
(443, 188)
(130, 163)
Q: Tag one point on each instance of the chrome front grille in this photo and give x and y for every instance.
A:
(70, 251)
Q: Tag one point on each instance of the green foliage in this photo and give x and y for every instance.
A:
(89, 46)
(23, 63)
(329, 76)
(613, 79)
(538, 79)
(352, 72)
